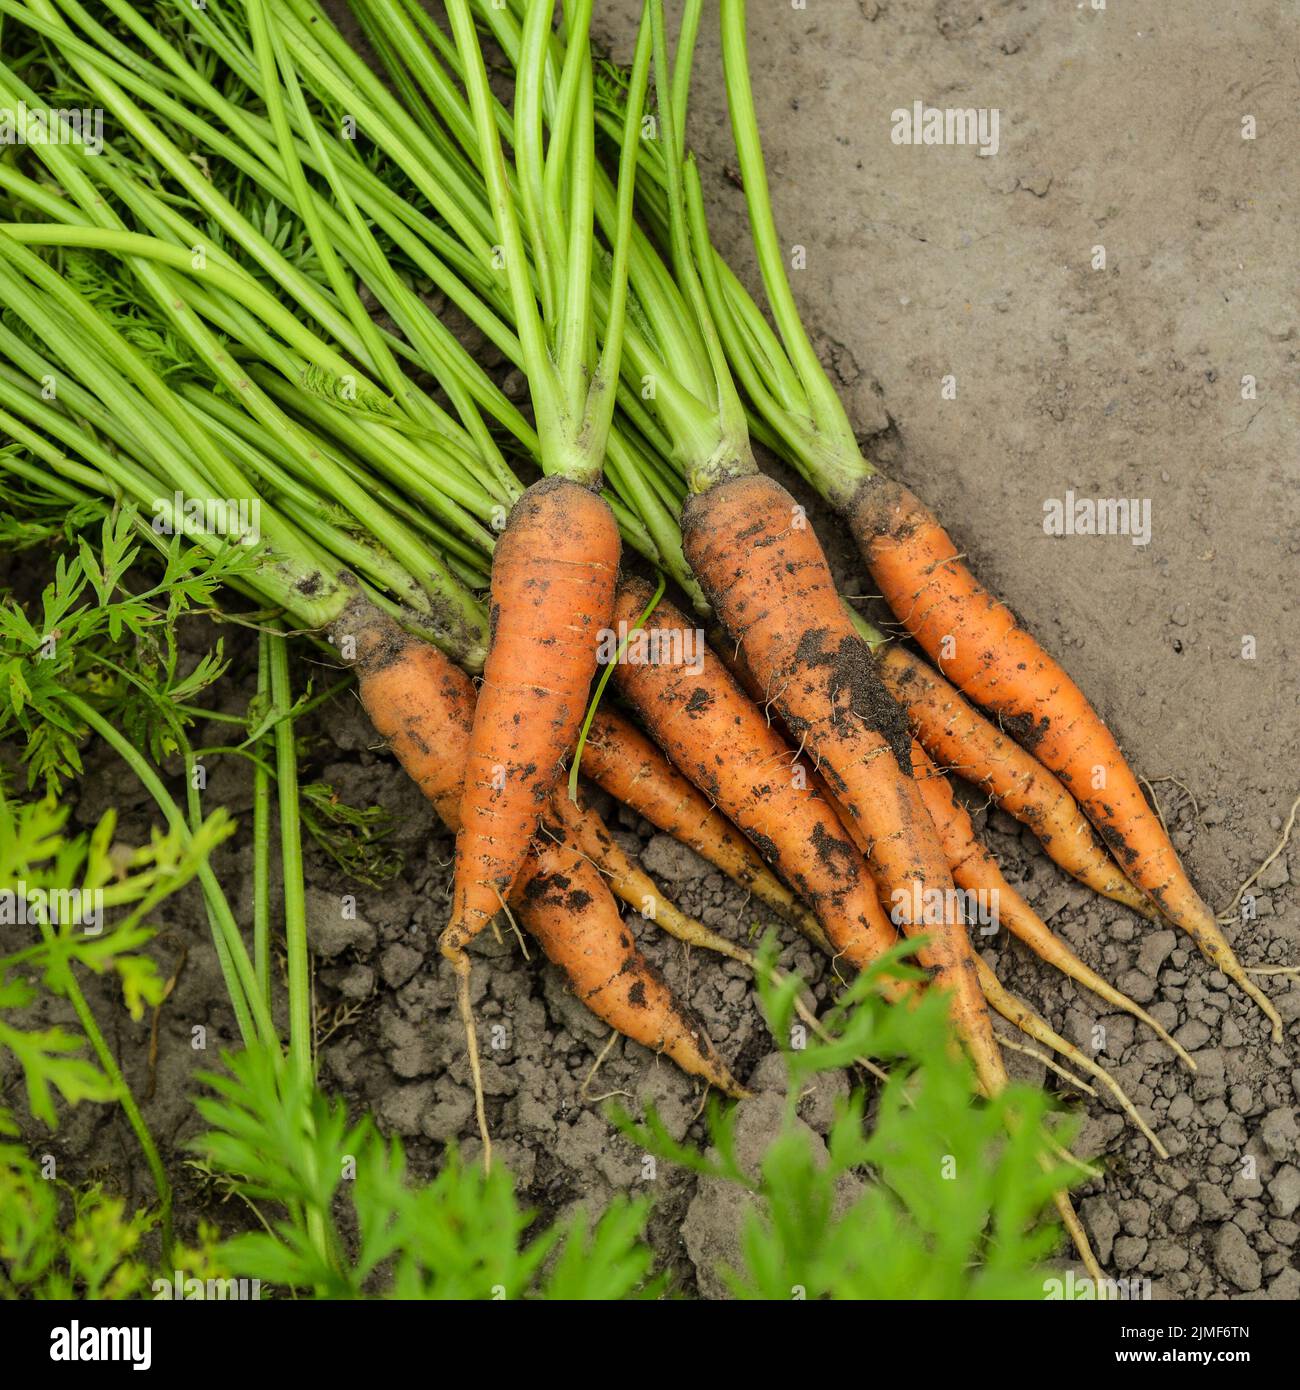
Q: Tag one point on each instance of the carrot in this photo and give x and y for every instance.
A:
(764, 572)
(555, 566)
(622, 760)
(635, 887)
(553, 581)
(732, 758)
(566, 906)
(960, 739)
(423, 692)
(714, 734)
(1017, 1012)
(423, 705)
(978, 642)
(629, 881)
(976, 870)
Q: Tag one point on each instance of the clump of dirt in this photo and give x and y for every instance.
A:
(853, 674)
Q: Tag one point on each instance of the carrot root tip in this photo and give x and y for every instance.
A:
(461, 963)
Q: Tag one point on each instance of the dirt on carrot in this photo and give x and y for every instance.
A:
(961, 739)
(978, 643)
(764, 571)
(553, 577)
(567, 907)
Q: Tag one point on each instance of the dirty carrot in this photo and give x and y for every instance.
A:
(638, 890)
(565, 904)
(959, 738)
(620, 759)
(555, 566)
(976, 870)
(714, 734)
(423, 704)
(553, 577)
(765, 573)
(983, 649)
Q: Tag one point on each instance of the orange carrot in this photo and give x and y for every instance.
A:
(764, 572)
(423, 705)
(714, 734)
(622, 760)
(977, 641)
(671, 700)
(960, 739)
(424, 708)
(976, 870)
(566, 906)
(553, 579)
(630, 882)
(1017, 1012)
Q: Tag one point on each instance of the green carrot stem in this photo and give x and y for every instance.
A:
(79, 334)
(241, 432)
(71, 989)
(262, 837)
(238, 285)
(312, 460)
(156, 144)
(295, 902)
(823, 402)
(276, 68)
(252, 1014)
(602, 683)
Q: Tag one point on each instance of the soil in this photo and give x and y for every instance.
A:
(1119, 128)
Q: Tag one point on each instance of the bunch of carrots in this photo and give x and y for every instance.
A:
(804, 752)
